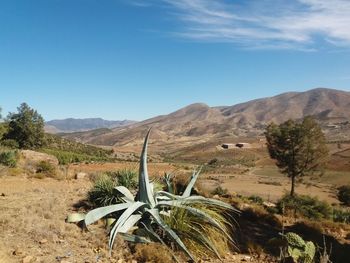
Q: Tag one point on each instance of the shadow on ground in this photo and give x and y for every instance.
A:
(256, 230)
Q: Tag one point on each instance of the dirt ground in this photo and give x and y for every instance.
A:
(33, 227)
(33, 212)
(270, 188)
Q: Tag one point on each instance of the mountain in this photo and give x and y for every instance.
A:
(201, 122)
(75, 125)
(324, 104)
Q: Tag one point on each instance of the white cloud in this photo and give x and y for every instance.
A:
(300, 24)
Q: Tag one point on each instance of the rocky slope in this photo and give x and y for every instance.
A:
(201, 121)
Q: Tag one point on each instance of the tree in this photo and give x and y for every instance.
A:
(298, 148)
(26, 127)
(2, 126)
(344, 194)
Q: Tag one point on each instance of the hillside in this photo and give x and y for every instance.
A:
(75, 125)
(201, 122)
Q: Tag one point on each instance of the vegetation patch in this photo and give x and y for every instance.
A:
(103, 192)
(67, 151)
(344, 194)
(45, 167)
(9, 158)
(65, 157)
(306, 206)
(191, 223)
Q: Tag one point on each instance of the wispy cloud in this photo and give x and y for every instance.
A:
(294, 24)
(139, 3)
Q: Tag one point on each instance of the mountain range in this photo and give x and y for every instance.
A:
(245, 119)
(74, 125)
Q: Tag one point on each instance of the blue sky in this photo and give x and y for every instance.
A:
(133, 59)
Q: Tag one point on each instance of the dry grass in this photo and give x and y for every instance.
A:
(152, 253)
(33, 223)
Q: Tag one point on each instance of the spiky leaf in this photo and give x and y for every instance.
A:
(155, 214)
(191, 184)
(101, 212)
(145, 192)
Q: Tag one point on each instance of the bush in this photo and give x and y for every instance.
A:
(341, 215)
(45, 167)
(103, 192)
(10, 143)
(9, 158)
(256, 199)
(213, 162)
(344, 194)
(125, 177)
(220, 191)
(306, 206)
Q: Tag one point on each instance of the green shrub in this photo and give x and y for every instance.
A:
(344, 194)
(306, 206)
(213, 162)
(45, 167)
(9, 158)
(66, 157)
(103, 192)
(68, 151)
(10, 143)
(256, 199)
(341, 215)
(125, 177)
(219, 191)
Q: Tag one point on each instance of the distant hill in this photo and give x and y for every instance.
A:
(199, 121)
(76, 125)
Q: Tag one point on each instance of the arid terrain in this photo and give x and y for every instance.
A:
(199, 122)
(226, 142)
(33, 211)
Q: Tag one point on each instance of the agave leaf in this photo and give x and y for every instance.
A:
(167, 180)
(145, 193)
(122, 219)
(209, 201)
(169, 196)
(191, 184)
(132, 220)
(75, 217)
(151, 185)
(198, 213)
(100, 212)
(155, 214)
(125, 191)
(202, 239)
(134, 238)
(151, 233)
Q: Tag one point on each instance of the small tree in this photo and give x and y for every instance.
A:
(298, 148)
(344, 194)
(26, 127)
(2, 126)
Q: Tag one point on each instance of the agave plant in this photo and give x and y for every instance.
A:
(151, 212)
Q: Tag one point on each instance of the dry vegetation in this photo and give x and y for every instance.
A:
(33, 207)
